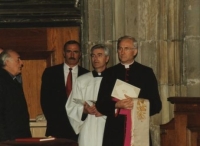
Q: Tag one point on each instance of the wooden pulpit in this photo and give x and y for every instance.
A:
(184, 128)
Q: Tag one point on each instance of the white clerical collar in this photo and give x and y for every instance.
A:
(99, 73)
(127, 65)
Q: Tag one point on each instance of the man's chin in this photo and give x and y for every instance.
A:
(96, 65)
(123, 61)
(73, 63)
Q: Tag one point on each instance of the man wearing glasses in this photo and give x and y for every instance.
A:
(134, 73)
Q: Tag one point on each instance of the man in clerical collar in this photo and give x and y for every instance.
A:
(131, 72)
(83, 115)
(14, 116)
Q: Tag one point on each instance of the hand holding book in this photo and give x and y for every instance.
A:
(125, 103)
(122, 88)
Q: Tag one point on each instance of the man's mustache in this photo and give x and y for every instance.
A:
(72, 58)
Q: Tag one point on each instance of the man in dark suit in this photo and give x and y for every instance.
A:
(134, 73)
(14, 116)
(54, 95)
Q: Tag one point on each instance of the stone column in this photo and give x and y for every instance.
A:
(191, 48)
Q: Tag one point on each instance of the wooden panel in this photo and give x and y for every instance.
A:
(192, 136)
(184, 130)
(23, 39)
(180, 130)
(167, 133)
(167, 138)
(31, 76)
(57, 37)
(39, 48)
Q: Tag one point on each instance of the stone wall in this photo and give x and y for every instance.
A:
(168, 35)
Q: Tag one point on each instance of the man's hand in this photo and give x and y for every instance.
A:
(125, 103)
(97, 113)
(89, 109)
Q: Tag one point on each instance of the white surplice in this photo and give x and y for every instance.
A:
(91, 129)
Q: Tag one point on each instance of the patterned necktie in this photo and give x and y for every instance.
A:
(69, 82)
(127, 75)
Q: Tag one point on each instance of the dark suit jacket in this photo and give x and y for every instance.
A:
(53, 100)
(140, 76)
(14, 116)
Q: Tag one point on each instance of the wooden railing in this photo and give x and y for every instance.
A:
(184, 128)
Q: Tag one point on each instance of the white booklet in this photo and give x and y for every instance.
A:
(121, 88)
(81, 102)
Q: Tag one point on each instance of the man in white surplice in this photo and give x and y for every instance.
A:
(83, 116)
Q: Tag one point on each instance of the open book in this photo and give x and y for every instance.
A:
(121, 88)
(35, 139)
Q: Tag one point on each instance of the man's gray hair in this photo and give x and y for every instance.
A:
(100, 46)
(135, 43)
(4, 56)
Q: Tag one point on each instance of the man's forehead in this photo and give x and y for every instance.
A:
(98, 50)
(126, 41)
(72, 46)
(14, 54)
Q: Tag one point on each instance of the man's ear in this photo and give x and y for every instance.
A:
(135, 52)
(107, 59)
(64, 55)
(80, 56)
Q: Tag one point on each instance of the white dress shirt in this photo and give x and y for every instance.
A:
(74, 72)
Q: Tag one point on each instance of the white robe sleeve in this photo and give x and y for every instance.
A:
(75, 110)
(85, 88)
